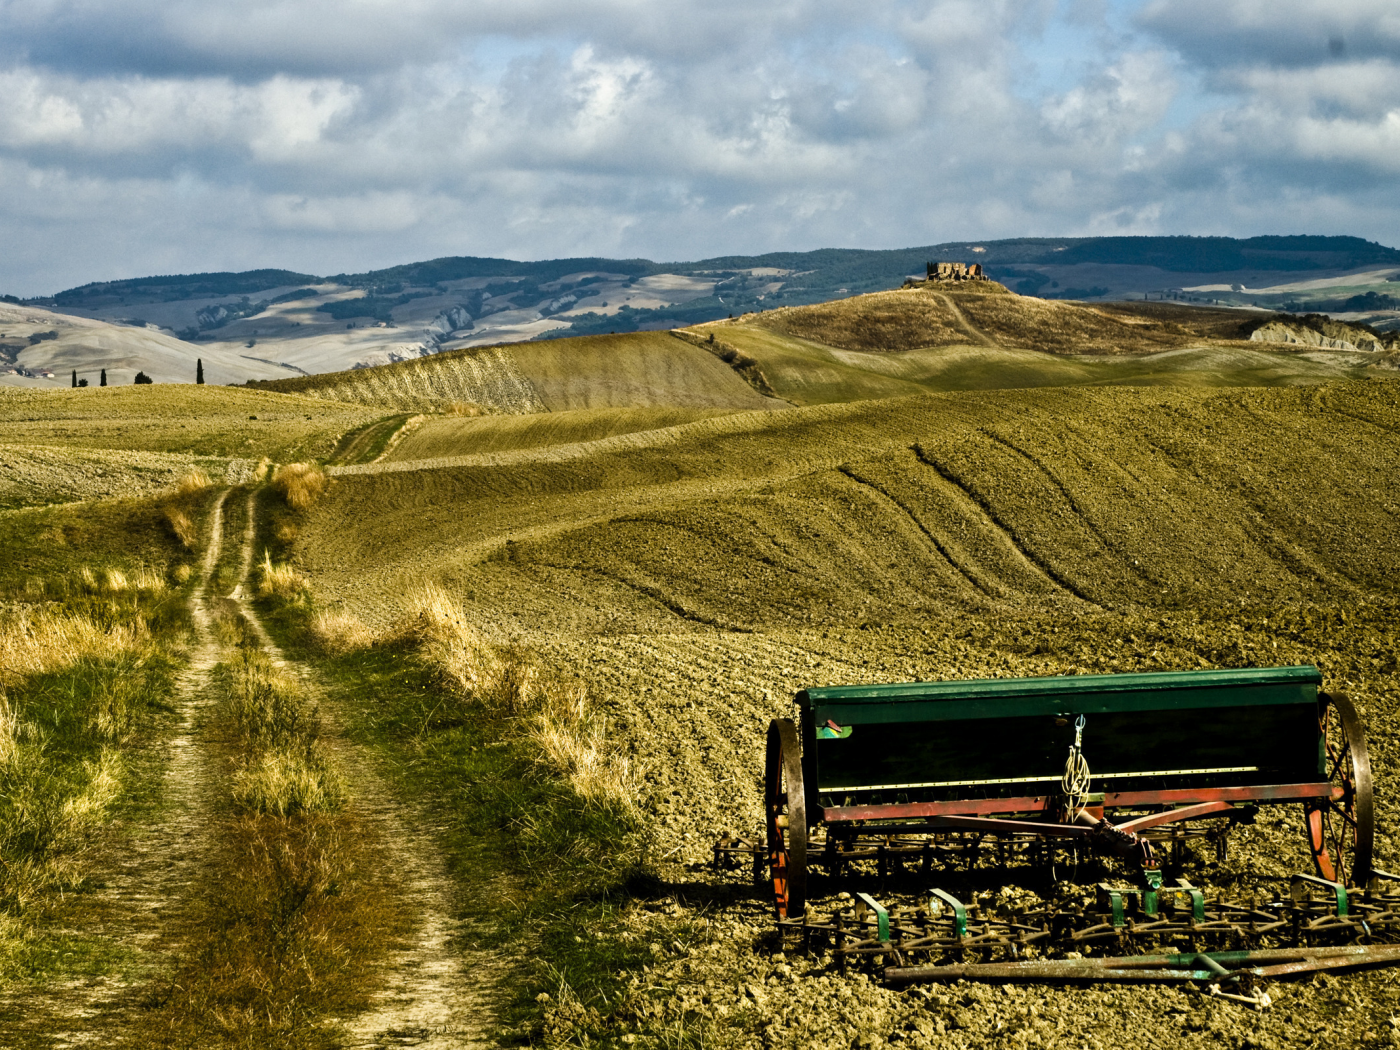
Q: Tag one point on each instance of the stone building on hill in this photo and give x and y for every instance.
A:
(955, 271)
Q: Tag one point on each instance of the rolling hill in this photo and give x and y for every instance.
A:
(949, 483)
(280, 323)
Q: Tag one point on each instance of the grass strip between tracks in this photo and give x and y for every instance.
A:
(297, 907)
(544, 865)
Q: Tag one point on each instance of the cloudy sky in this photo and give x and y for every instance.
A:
(164, 136)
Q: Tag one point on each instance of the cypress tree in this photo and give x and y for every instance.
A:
(75, 379)
(103, 382)
(199, 370)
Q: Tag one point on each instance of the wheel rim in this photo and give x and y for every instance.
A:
(786, 820)
(1341, 831)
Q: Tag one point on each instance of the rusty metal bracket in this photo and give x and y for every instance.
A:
(1300, 883)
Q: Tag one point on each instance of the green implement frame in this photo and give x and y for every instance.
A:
(998, 756)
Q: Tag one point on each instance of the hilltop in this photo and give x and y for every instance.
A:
(928, 337)
(283, 323)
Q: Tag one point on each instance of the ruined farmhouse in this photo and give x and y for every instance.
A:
(955, 271)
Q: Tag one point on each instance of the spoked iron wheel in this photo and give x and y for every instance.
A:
(786, 807)
(1341, 830)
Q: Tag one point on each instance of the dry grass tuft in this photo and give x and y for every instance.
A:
(35, 641)
(193, 483)
(287, 781)
(183, 572)
(149, 581)
(464, 662)
(287, 532)
(114, 581)
(181, 527)
(571, 740)
(280, 580)
(340, 632)
(463, 409)
(300, 484)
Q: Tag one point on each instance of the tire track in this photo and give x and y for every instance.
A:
(145, 879)
(433, 993)
(992, 521)
(1068, 497)
(966, 325)
(962, 571)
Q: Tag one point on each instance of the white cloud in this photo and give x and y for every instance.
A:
(167, 135)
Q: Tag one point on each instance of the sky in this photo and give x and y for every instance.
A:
(144, 137)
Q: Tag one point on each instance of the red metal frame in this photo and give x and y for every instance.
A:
(1193, 803)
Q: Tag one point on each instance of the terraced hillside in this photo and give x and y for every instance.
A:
(448, 436)
(636, 370)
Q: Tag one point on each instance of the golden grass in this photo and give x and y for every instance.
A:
(181, 527)
(300, 484)
(173, 417)
(572, 742)
(193, 483)
(900, 320)
(35, 641)
(339, 632)
(279, 580)
(553, 715)
(288, 780)
(456, 651)
(442, 436)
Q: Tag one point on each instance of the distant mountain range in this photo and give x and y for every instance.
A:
(809, 276)
(273, 323)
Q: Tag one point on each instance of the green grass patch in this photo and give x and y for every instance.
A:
(42, 955)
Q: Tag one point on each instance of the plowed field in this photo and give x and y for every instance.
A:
(695, 578)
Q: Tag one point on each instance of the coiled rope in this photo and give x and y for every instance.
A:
(1075, 782)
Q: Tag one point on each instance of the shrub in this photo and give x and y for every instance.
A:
(300, 484)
